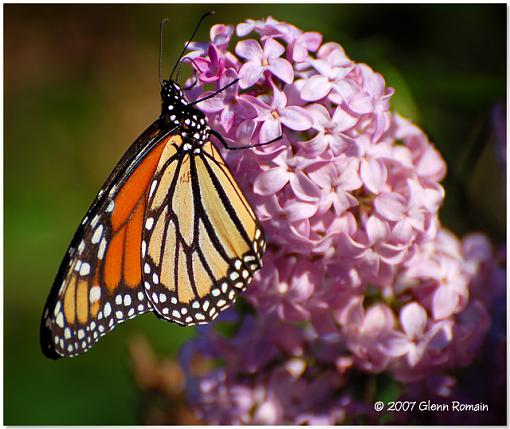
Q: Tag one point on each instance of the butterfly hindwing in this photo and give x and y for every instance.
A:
(201, 240)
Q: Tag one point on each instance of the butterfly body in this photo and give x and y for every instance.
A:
(169, 232)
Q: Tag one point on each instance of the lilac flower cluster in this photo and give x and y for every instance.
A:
(359, 276)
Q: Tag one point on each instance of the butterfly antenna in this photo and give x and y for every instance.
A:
(205, 15)
(161, 27)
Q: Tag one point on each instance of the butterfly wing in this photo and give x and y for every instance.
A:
(201, 240)
(99, 281)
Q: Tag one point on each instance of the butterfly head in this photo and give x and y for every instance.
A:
(178, 112)
(172, 97)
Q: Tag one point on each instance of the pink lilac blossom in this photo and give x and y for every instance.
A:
(359, 276)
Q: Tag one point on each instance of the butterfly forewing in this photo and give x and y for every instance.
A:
(201, 240)
(99, 282)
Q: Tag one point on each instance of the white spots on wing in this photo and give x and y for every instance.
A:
(57, 308)
(231, 294)
(195, 304)
(165, 310)
(234, 275)
(238, 264)
(155, 298)
(94, 221)
(221, 303)
(176, 314)
(186, 147)
(162, 297)
(84, 269)
(118, 299)
(173, 300)
(118, 314)
(184, 310)
(245, 274)
(257, 234)
(215, 292)
(131, 312)
(94, 294)
(144, 248)
(81, 246)
(60, 320)
(147, 270)
(102, 249)
(67, 333)
(110, 206)
(153, 187)
(140, 307)
(141, 295)
(97, 234)
(224, 287)
(81, 334)
(199, 316)
(127, 300)
(107, 309)
(77, 266)
(149, 223)
(205, 305)
(155, 278)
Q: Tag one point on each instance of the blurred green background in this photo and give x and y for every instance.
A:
(81, 83)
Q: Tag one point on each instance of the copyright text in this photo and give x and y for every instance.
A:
(455, 406)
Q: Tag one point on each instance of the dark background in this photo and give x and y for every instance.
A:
(81, 83)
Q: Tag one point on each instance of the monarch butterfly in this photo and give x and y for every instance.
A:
(170, 232)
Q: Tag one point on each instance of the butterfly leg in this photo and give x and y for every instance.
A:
(215, 93)
(226, 145)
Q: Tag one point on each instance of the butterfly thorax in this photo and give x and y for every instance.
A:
(177, 112)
